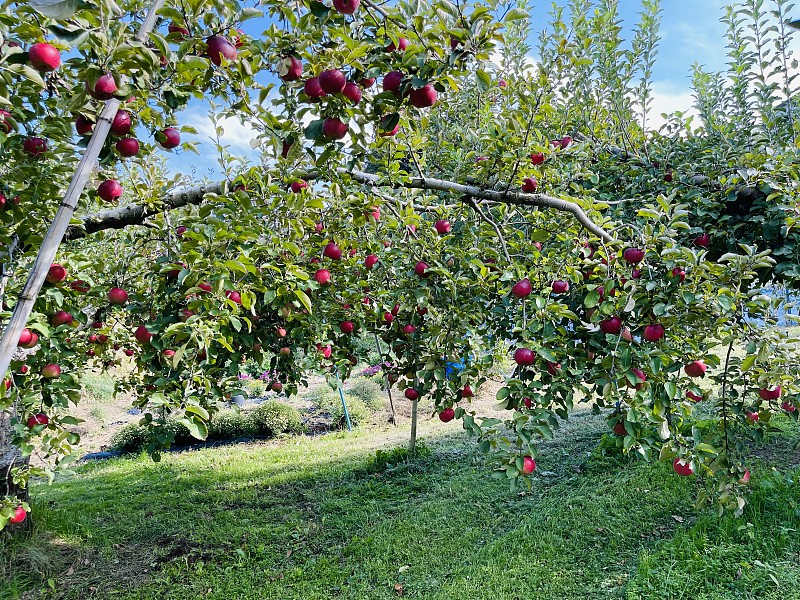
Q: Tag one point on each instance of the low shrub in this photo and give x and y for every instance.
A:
(358, 411)
(231, 424)
(368, 392)
(130, 438)
(274, 418)
(255, 388)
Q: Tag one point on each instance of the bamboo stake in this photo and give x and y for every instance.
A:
(51, 242)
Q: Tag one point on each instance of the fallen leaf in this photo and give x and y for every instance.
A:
(398, 589)
(678, 518)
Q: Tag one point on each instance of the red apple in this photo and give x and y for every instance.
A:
(390, 133)
(696, 368)
(117, 296)
(34, 146)
(424, 97)
(38, 419)
(395, 309)
(421, 270)
(171, 137)
(51, 371)
(789, 407)
(528, 465)
(346, 7)
(682, 468)
(537, 158)
(44, 57)
(323, 277)
(312, 88)
(553, 368)
(524, 356)
(745, 479)
(128, 147)
(751, 416)
(447, 415)
(529, 185)
(679, 273)
(367, 82)
(205, 286)
(18, 516)
(80, 286)
(104, 88)
(346, 326)
(290, 69)
(142, 335)
(392, 81)
(370, 261)
(411, 394)
(560, 286)
(334, 129)
(83, 125)
(612, 325)
(654, 332)
(640, 375)
(768, 394)
(233, 296)
(276, 387)
(522, 288)
(388, 317)
(168, 353)
(56, 273)
(185, 315)
(565, 141)
(332, 251)
(442, 227)
(633, 255)
(61, 318)
(129, 352)
(110, 190)
(352, 92)
(668, 177)
(121, 125)
(408, 329)
(218, 47)
(298, 186)
(466, 392)
(619, 429)
(702, 241)
(402, 44)
(332, 81)
(177, 30)
(694, 397)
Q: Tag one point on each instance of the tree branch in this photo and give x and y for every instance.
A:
(135, 214)
(492, 223)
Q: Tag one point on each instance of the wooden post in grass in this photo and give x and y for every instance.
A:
(9, 455)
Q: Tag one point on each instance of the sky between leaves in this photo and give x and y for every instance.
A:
(690, 32)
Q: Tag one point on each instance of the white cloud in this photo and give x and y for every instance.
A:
(235, 134)
(669, 98)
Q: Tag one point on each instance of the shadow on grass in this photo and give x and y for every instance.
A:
(305, 520)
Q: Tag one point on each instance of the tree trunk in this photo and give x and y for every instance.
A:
(10, 457)
(412, 445)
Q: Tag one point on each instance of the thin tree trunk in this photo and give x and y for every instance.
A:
(412, 445)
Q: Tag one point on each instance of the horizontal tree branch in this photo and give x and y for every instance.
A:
(135, 214)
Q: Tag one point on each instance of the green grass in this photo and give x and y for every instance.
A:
(305, 518)
(99, 385)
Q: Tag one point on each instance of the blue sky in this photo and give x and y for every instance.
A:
(690, 32)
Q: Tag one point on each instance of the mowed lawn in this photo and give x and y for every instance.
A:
(304, 518)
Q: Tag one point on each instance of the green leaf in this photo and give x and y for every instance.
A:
(196, 426)
(304, 299)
